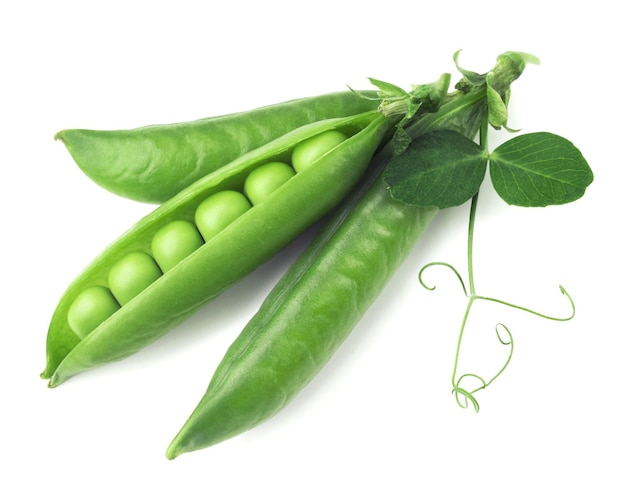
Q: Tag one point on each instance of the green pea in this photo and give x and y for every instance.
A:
(175, 241)
(265, 179)
(218, 211)
(132, 274)
(90, 308)
(310, 150)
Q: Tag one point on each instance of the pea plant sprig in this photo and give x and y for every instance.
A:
(444, 169)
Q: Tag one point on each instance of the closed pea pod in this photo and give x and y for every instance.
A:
(154, 163)
(318, 301)
(235, 251)
(303, 321)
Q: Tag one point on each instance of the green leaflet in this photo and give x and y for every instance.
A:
(441, 169)
(539, 169)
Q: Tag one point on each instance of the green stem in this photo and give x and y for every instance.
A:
(484, 129)
(470, 245)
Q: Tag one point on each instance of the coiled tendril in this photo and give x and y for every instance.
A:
(465, 396)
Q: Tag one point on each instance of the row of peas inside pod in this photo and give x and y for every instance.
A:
(179, 238)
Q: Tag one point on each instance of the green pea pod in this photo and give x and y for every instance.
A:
(251, 239)
(318, 302)
(153, 163)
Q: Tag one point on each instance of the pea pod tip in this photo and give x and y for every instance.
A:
(53, 381)
(172, 452)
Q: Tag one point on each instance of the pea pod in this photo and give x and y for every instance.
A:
(153, 163)
(318, 301)
(235, 251)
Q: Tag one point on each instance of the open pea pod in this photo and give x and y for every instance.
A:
(222, 260)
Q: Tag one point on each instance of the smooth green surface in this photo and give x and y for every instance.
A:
(154, 163)
(266, 179)
(175, 241)
(309, 151)
(132, 274)
(218, 211)
(539, 169)
(245, 244)
(90, 308)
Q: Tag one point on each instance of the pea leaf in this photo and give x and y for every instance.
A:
(388, 89)
(539, 169)
(471, 77)
(441, 168)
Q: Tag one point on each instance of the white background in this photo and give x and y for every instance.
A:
(381, 412)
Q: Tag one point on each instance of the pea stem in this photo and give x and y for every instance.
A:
(470, 245)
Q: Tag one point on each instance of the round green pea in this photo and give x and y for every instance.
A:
(218, 211)
(132, 274)
(310, 150)
(173, 242)
(265, 179)
(90, 308)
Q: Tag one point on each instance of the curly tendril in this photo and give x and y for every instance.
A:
(541, 315)
(442, 264)
(464, 395)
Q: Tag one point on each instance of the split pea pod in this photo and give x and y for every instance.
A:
(318, 301)
(153, 163)
(252, 238)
